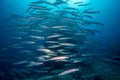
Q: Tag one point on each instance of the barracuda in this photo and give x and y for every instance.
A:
(52, 42)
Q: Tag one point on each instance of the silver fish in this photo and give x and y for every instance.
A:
(68, 72)
(52, 42)
(65, 38)
(46, 78)
(78, 2)
(54, 46)
(37, 37)
(59, 2)
(68, 44)
(62, 51)
(84, 4)
(48, 51)
(59, 58)
(28, 42)
(71, 8)
(21, 62)
(32, 63)
(54, 36)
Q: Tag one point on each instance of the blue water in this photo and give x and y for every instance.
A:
(108, 39)
(109, 15)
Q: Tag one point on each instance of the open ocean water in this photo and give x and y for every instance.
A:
(59, 40)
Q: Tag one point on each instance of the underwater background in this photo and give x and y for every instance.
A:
(31, 46)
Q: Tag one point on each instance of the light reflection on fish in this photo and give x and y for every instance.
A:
(68, 72)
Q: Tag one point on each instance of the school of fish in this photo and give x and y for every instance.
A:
(51, 43)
